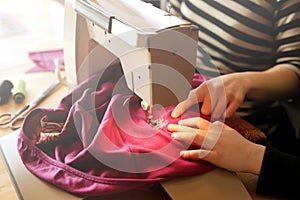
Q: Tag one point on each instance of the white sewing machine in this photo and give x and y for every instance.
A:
(157, 51)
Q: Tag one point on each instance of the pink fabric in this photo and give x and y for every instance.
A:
(106, 145)
(44, 60)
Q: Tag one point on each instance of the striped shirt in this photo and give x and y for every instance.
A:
(244, 35)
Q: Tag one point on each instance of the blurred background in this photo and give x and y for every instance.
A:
(26, 26)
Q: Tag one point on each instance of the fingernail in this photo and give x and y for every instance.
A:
(179, 122)
(181, 153)
(173, 135)
(174, 114)
(170, 127)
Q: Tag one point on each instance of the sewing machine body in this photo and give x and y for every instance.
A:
(157, 51)
(86, 54)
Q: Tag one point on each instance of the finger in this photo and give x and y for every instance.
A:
(195, 137)
(218, 102)
(173, 127)
(180, 128)
(214, 102)
(197, 122)
(182, 107)
(192, 99)
(207, 92)
(219, 109)
(190, 154)
(231, 108)
(200, 154)
(206, 107)
(205, 154)
(191, 122)
(195, 154)
(212, 135)
(186, 137)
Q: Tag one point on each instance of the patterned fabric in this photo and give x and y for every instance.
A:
(98, 141)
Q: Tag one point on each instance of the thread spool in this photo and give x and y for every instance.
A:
(19, 91)
(5, 91)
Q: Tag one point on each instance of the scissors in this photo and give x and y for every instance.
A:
(15, 120)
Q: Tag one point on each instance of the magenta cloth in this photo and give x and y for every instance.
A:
(44, 60)
(106, 144)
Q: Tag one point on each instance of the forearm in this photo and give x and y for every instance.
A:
(255, 158)
(275, 83)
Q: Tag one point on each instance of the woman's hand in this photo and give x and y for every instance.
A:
(221, 96)
(220, 145)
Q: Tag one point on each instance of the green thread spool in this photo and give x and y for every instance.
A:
(19, 91)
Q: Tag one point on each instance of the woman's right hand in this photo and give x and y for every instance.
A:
(220, 96)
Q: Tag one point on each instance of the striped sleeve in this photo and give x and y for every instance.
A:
(288, 34)
(244, 35)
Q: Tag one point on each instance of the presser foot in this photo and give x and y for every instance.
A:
(155, 116)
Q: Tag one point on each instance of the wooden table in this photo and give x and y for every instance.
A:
(6, 187)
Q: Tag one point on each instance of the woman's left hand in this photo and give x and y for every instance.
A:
(220, 145)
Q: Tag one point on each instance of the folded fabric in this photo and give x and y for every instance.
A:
(98, 141)
(45, 60)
